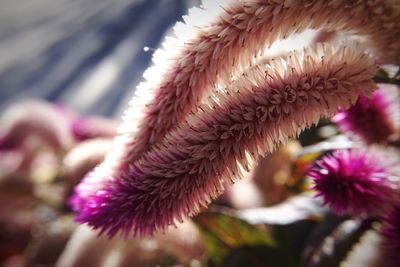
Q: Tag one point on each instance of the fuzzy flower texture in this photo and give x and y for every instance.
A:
(354, 182)
(266, 107)
(373, 119)
(220, 102)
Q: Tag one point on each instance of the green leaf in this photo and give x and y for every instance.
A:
(223, 232)
(284, 228)
(290, 222)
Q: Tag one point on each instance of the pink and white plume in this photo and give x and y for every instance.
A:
(262, 108)
(217, 44)
(219, 41)
(214, 45)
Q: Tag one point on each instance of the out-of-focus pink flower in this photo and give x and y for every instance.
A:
(375, 119)
(93, 127)
(391, 238)
(266, 106)
(355, 182)
(82, 158)
(18, 161)
(34, 118)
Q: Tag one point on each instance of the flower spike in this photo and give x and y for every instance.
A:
(223, 38)
(263, 108)
(214, 45)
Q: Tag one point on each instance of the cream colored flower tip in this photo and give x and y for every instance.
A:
(265, 107)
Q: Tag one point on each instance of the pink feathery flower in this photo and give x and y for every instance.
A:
(215, 44)
(220, 39)
(391, 238)
(264, 107)
(355, 182)
(372, 119)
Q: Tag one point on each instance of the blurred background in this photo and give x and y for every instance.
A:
(87, 54)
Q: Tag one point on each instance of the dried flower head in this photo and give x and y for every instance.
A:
(264, 107)
(355, 182)
(373, 120)
(391, 238)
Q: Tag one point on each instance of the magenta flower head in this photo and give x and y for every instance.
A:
(391, 238)
(374, 119)
(354, 181)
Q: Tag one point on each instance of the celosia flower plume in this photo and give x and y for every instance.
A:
(391, 238)
(263, 107)
(375, 119)
(356, 182)
(223, 38)
(213, 46)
